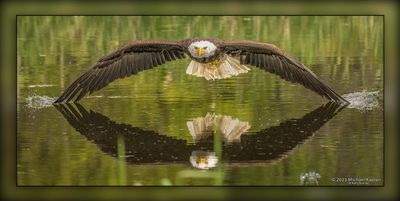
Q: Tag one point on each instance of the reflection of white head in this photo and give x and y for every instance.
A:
(202, 49)
(203, 159)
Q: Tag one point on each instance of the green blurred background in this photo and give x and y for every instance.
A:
(10, 10)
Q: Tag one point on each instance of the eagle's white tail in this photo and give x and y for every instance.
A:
(227, 68)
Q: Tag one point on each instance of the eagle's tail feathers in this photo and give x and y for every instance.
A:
(227, 68)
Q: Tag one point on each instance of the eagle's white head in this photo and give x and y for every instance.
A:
(202, 49)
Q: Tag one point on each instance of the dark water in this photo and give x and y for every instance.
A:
(163, 127)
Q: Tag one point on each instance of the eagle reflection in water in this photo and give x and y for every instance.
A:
(149, 147)
(204, 127)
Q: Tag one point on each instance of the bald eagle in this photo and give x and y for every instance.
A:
(210, 58)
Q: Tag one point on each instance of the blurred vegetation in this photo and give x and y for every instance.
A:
(345, 51)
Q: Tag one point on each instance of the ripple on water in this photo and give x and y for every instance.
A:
(40, 85)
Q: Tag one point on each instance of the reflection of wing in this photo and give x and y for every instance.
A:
(204, 127)
(141, 146)
(151, 147)
(272, 59)
(275, 141)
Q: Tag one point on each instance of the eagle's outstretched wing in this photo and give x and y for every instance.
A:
(122, 62)
(272, 59)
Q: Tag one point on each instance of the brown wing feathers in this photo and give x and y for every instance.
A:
(128, 60)
(272, 59)
(141, 55)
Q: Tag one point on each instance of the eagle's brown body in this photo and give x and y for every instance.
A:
(211, 59)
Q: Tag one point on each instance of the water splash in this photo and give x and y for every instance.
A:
(36, 101)
(363, 101)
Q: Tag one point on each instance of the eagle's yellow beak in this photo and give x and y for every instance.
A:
(203, 160)
(200, 51)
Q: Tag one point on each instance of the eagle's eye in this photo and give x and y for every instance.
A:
(205, 47)
(195, 47)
